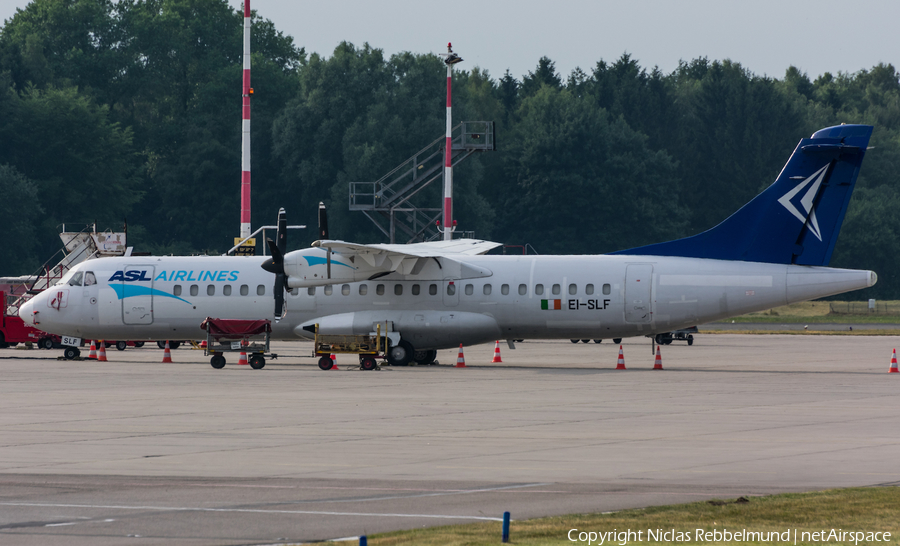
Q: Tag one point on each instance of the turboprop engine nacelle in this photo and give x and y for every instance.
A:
(319, 266)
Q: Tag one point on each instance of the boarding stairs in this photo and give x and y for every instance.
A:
(78, 246)
(396, 200)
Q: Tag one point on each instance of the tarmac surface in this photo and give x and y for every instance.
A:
(133, 451)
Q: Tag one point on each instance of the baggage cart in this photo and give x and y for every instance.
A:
(368, 347)
(237, 336)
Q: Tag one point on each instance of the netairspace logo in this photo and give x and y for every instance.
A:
(623, 538)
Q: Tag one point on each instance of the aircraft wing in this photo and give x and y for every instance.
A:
(405, 258)
(431, 249)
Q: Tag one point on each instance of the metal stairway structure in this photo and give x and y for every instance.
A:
(79, 246)
(395, 201)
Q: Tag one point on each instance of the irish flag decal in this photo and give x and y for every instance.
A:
(551, 304)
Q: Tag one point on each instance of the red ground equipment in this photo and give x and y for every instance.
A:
(235, 336)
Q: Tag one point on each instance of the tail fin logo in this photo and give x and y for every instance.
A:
(814, 181)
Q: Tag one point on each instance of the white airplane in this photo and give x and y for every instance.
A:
(436, 295)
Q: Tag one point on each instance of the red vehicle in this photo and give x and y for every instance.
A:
(14, 331)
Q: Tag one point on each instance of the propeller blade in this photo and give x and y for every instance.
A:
(275, 264)
(323, 222)
(281, 235)
(279, 296)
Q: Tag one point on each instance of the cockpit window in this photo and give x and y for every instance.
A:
(76, 279)
(89, 278)
(68, 277)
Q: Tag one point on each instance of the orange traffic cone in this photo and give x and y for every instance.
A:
(894, 363)
(620, 364)
(203, 344)
(334, 361)
(167, 354)
(658, 364)
(101, 356)
(93, 354)
(460, 360)
(242, 361)
(496, 353)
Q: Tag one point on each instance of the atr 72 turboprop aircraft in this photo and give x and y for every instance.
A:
(437, 295)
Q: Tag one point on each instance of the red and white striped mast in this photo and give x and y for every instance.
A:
(448, 225)
(245, 129)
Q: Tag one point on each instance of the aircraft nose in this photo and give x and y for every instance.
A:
(26, 312)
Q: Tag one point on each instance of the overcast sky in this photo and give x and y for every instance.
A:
(765, 36)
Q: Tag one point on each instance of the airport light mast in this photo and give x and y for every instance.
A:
(247, 92)
(448, 225)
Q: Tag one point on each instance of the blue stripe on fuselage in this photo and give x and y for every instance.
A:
(316, 260)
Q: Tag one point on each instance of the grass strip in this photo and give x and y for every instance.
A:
(711, 329)
(867, 510)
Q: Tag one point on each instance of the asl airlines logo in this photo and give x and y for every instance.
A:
(814, 181)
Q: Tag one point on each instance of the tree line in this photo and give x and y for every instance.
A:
(115, 110)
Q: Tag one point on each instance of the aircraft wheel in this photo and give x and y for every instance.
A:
(71, 353)
(598, 341)
(257, 362)
(574, 340)
(617, 340)
(161, 344)
(368, 363)
(325, 363)
(401, 354)
(585, 341)
(138, 344)
(690, 339)
(173, 345)
(425, 357)
(217, 361)
(45, 343)
(121, 345)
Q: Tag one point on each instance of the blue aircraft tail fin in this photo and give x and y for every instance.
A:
(797, 219)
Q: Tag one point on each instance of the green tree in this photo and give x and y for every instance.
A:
(21, 211)
(584, 182)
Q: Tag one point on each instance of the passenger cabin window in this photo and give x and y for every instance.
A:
(89, 278)
(226, 290)
(432, 289)
(245, 290)
(415, 289)
(195, 289)
(398, 289)
(261, 290)
(379, 289)
(487, 290)
(345, 289)
(311, 290)
(210, 290)
(451, 289)
(363, 289)
(76, 279)
(177, 290)
(470, 289)
(329, 289)
(589, 289)
(606, 289)
(539, 289)
(573, 289)
(504, 289)
(556, 290)
(523, 289)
